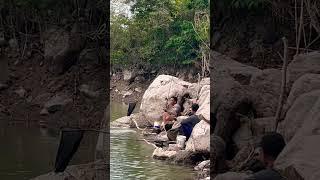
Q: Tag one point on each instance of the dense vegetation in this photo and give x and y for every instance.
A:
(26, 20)
(160, 32)
(298, 20)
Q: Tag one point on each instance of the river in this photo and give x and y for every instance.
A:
(131, 158)
(27, 152)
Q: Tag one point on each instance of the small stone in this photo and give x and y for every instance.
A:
(138, 89)
(128, 93)
(139, 79)
(44, 112)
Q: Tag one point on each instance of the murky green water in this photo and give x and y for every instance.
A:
(131, 158)
(29, 152)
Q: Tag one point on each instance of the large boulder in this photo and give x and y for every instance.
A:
(195, 88)
(304, 84)
(303, 151)
(160, 153)
(240, 72)
(229, 97)
(266, 87)
(95, 170)
(154, 98)
(251, 131)
(121, 122)
(303, 64)
(187, 157)
(204, 102)
(139, 120)
(199, 140)
(298, 113)
(217, 153)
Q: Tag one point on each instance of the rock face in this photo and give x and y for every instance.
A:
(303, 64)
(154, 98)
(298, 113)
(204, 102)
(245, 103)
(240, 72)
(199, 140)
(302, 152)
(121, 122)
(266, 87)
(304, 84)
(229, 97)
(187, 157)
(140, 120)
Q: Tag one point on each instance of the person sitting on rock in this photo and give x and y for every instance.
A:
(188, 124)
(172, 110)
(270, 147)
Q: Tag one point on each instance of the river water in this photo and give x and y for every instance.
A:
(131, 157)
(27, 152)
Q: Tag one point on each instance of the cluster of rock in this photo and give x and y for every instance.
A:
(245, 101)
(154, 99)
(94, 170)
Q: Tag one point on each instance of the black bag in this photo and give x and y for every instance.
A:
(131, 108)
(69, 143)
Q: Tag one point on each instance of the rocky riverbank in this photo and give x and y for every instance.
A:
(60, 81)
(197, 150)
(245, 103)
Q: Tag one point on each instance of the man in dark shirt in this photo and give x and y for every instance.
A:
(270, 147)
(188, 124)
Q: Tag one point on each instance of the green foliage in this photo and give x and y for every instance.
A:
(160, 32)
